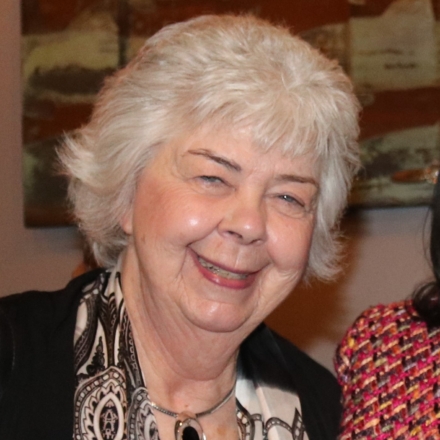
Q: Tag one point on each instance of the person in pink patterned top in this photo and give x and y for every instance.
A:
(389, 363)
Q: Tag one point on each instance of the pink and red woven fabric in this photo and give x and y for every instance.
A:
(389, 367)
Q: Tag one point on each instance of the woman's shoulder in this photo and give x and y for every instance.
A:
(386, 364)
(380, 331)
(267, 345)
(279, 363)
(37, 300)
(34, 310)
(300, 360)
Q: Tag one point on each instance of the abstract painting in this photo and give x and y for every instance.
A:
(390, 48)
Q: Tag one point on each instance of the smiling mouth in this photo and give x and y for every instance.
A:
(222, 272)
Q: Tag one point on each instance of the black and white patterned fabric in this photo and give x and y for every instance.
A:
(111, 397)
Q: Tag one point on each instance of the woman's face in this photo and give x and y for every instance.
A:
(220, 231)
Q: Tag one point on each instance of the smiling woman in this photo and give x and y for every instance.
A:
(209, 182)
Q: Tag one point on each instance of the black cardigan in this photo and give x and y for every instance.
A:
(37, 374)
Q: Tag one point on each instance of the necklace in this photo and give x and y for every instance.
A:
(187, 425)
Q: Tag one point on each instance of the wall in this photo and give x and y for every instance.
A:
(39, 258)
(385, 256)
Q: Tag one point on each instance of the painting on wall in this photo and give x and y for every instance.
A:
(390, 48)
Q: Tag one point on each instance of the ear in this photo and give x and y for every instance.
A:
(126, 221)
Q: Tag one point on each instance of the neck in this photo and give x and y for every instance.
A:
(207, 412)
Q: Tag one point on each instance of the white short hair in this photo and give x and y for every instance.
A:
(231, 72)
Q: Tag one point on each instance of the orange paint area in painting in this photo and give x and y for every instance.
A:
(47, 119)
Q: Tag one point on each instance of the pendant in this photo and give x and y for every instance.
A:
(188, 427)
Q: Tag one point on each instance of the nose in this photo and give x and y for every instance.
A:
(244, 220)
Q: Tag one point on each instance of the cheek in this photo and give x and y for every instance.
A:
(174, 216)
(193, 220)
(291, 245)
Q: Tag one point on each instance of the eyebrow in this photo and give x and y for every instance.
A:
(231, 165)
(297, 179)
(235, 167)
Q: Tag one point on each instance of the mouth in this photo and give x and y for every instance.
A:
(224, 276)
(216, 270)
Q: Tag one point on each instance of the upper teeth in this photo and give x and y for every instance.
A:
(222, 272)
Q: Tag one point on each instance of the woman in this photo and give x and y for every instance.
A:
(209, 182)
(388, 362)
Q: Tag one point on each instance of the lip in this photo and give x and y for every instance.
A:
(237, 284)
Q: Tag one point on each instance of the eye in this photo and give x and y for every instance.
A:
(211, 179)
(293, 206)
(291, 200)
(212, 185)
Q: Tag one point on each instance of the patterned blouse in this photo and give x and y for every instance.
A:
(111, 397)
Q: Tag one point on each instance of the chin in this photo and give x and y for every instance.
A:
(219, 327)
(222, 321)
